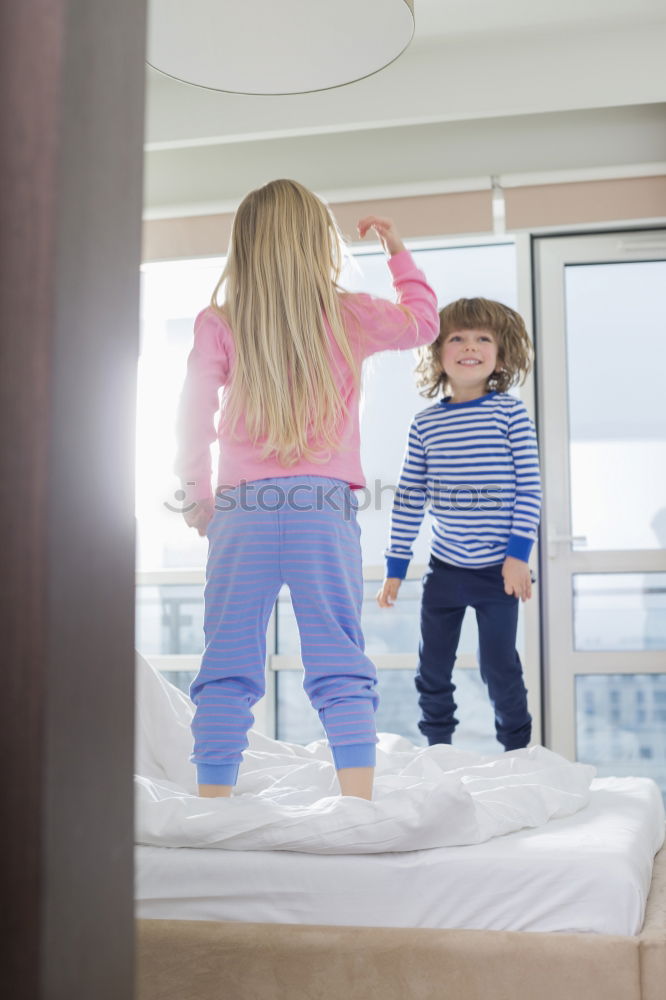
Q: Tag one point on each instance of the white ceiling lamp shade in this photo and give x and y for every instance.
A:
(272, 47)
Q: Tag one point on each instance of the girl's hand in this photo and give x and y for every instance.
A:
(517, 579)
(388, 594)
(386, 231)
(200, 515)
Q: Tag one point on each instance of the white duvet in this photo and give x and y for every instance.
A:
(287, 795)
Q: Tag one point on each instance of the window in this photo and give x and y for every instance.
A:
(621, 739)
(619, 611)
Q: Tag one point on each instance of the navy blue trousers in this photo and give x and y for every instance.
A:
(447, 592)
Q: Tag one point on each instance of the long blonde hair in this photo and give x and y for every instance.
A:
(280, 285)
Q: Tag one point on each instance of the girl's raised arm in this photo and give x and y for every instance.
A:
(386, 231)
(411, 322)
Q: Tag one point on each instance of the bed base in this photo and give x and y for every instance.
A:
(201, 960)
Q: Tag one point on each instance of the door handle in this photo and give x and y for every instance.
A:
(554, 538)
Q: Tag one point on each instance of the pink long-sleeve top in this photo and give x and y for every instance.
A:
(372, 325)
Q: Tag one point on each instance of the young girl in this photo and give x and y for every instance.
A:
(287, 345)
(474, 455)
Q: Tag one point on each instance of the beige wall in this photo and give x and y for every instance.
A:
(455, 214)
(585, 202)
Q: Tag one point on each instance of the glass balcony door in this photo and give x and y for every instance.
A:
(601, 342)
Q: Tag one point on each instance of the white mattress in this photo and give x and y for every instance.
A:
(588, 872)
(287, 796)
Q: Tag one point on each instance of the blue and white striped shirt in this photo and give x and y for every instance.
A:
(477, 465)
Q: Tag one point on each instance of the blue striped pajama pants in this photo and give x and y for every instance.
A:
(300, 531)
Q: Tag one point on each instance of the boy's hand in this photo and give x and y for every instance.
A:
(200, 515)
(386, 231)
(517, 579)
(388, 594)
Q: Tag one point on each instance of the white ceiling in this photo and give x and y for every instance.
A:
(442, 19)
(521, 86)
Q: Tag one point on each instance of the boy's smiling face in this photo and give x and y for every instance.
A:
(469, 357)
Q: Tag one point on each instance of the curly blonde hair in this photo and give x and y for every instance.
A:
(514, 349)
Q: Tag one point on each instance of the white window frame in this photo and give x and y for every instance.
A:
(563, 663)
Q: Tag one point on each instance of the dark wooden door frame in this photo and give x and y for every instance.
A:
(71, 134)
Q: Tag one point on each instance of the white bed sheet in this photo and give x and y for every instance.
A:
(287, 796)
(589, 872)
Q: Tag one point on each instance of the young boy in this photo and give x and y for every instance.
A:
(473, 455)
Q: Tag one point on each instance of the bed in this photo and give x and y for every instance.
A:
(570, 904)
(590, 872)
